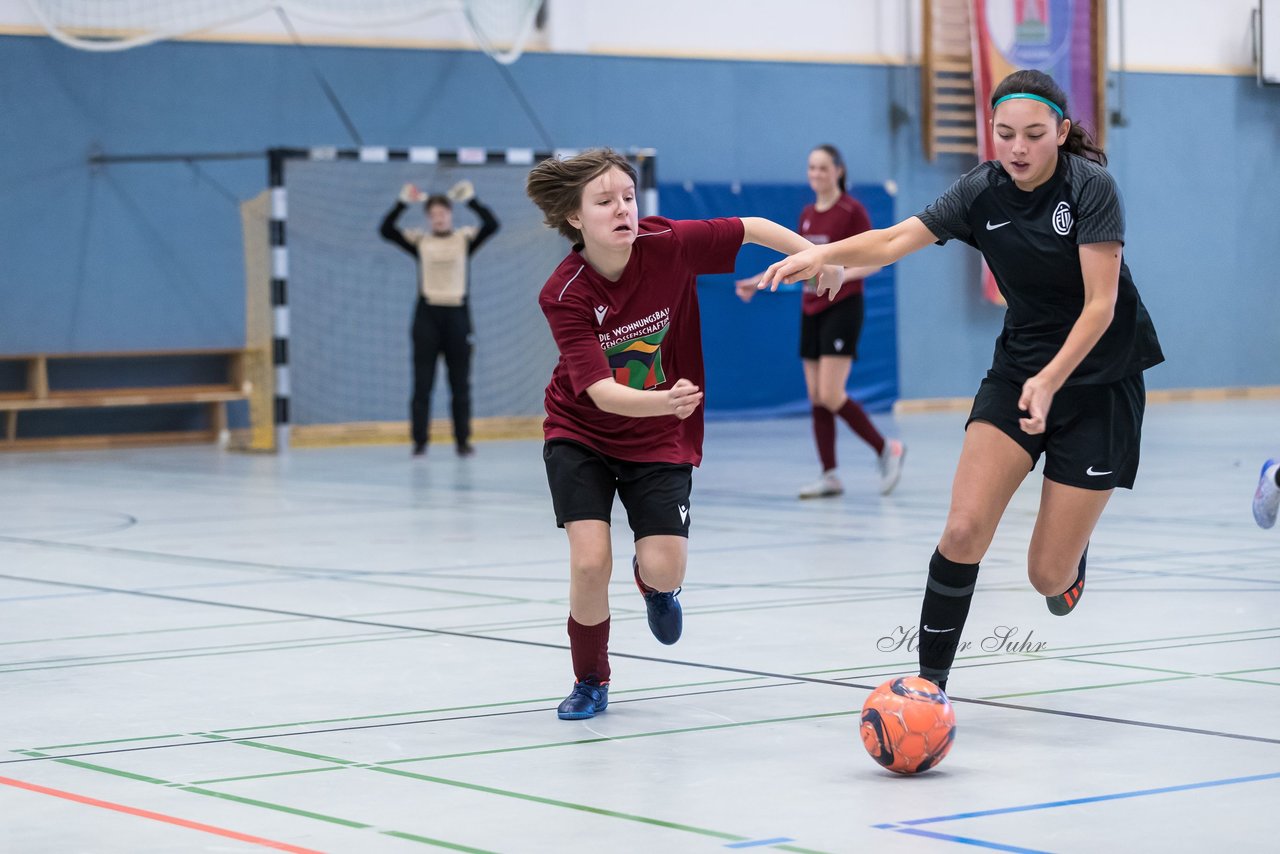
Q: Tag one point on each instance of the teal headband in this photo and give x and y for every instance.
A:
(1056, 108)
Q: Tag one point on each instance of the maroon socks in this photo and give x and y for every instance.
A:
(589, 646)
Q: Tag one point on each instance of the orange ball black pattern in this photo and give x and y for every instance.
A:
(908, 725)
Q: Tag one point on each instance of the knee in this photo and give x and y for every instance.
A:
(831, 399)
(1051, 574)
(1042, 585)
(965, 539)
(592, 573)
(663, 574)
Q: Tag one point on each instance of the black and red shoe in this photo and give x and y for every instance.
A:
(1064, 603)
(666, 620)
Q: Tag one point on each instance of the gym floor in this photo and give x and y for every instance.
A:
(347, 650)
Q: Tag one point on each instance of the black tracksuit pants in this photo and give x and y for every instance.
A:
(441, 329)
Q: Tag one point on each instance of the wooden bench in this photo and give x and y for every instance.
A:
(38, 393)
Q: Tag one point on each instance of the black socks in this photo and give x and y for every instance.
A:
(942, 615)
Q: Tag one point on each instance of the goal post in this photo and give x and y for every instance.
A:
(340, 299)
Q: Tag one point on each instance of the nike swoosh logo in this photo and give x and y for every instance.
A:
(991, 227)
(1089, 471)
(938, 631)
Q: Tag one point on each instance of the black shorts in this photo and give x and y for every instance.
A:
(1092, 435)
(583, 482)
(834, 331)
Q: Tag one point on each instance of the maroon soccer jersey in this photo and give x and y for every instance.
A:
(642, 330)
(845, 218)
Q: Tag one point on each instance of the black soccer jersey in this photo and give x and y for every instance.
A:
(1031, 242)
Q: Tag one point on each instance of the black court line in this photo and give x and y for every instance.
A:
(720, 668)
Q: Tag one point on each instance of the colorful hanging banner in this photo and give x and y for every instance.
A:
(1060, 37)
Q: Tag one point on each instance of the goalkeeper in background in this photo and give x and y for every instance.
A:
(442, 319)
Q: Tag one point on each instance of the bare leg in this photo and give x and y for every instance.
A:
(1067, 517)
(590, 566)
(662, 559)
(832, 377)
(991, 468)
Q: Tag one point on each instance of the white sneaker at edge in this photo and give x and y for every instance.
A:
(890, 463)
(825, 486)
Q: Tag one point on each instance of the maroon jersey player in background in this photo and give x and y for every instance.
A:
(830, 329)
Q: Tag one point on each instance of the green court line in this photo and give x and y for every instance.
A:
(109, 741)
(269, 775)
(267, 805)
(413, 635)
(1230, 676)
(1247, 670)
(1088, 687)
(383, 715)
(249, 646)
(893, 666)
(554, 802)
(413, 837)
(711, 682)
(1174, 638)
(543, 623)
(1089, 658)
(359, 615)
(629, 613)
(286, 573)
(1120, 665)
(128, 775)
(1246, 681)
(498, 598)
(144, 632)
(116, 772)
(254, 802)
(522, 748)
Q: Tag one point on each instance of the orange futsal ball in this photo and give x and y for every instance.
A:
(908, 725)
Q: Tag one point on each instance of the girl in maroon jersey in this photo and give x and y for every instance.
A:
(623, 404)
(830, 329)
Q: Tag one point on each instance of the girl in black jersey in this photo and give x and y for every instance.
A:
(1066, 379)
(442, 319)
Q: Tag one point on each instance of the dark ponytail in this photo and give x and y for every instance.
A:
(1032, 82)
(837, 161)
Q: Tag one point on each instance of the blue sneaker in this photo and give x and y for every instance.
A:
(665, 618)
(1064, 603)
(585, 701)
(1266, 500)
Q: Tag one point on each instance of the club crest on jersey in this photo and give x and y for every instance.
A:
(637, 362)
(1062, 219)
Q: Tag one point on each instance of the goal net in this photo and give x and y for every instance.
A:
(344, 298)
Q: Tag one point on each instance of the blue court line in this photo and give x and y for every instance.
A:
(908, 826)
(966, 840)
(1095, 799)
(756, 843)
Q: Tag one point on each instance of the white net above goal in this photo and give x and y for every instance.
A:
(498, 27)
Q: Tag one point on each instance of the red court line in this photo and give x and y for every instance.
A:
(155, 816)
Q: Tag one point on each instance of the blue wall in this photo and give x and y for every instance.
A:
(148, 256)
(752, 350)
